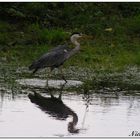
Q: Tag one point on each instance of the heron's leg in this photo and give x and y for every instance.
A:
(61, 89)
(47, 83)
(48, 75)
(63, 75)
(63, 85)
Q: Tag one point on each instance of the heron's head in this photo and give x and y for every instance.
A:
(75, 36)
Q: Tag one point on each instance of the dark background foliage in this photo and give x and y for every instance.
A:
(38, 26)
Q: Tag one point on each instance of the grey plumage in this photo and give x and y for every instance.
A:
(53, 59)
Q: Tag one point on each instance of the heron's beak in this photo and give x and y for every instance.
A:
(84, 36)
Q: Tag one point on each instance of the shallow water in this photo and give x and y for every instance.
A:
(99, 115)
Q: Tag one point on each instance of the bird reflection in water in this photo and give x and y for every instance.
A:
(56, 108)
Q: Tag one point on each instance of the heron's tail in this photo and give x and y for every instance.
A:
(31, 67)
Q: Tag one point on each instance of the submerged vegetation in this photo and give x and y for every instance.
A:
(28, 30)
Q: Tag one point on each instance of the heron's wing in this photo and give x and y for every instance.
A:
(52, 59)
(60, 47)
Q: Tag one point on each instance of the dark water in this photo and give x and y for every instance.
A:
(95, 115)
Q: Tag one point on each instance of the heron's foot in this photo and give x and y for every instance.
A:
(64, 79)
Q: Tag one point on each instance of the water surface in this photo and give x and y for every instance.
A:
(99, 115)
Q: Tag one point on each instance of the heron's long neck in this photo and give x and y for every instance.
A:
(74, 50)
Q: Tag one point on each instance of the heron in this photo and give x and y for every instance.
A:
(56, 57)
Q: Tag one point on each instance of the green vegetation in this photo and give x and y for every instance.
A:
(28, 30)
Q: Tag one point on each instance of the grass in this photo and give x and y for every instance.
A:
(94, 56)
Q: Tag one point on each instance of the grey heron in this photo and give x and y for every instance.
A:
(57, 56)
